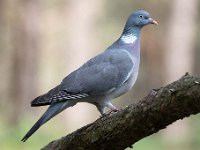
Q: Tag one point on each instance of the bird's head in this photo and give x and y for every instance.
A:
(139, 19)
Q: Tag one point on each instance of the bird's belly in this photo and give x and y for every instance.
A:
(124, 87)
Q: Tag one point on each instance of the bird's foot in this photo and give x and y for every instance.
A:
(110, 112)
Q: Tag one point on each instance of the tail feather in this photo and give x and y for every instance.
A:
(53, 110)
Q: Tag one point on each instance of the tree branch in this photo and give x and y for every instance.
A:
(154, 112)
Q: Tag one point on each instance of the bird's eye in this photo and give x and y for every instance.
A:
(140, 16)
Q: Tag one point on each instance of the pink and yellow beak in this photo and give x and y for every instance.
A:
(152, 21)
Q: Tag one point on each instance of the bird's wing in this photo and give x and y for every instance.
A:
(99, 76)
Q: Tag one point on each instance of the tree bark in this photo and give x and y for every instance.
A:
(154, 112)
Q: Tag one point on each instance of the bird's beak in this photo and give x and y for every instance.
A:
(152, 21)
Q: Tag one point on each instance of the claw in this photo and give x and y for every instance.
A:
(111, 111)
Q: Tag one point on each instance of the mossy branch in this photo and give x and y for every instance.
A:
(154, 112)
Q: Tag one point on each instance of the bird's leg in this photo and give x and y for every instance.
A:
(112, 108)
(100, 109)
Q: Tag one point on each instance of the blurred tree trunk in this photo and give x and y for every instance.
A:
(82, 42)
(2, 47)
(25, 48)
(179, 53)
(4, 56)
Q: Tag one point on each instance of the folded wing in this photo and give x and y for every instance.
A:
(98, 76)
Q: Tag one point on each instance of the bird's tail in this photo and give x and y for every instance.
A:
(53, 110)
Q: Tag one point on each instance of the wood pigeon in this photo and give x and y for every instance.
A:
(102, 78)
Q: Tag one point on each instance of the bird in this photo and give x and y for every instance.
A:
(101, 79)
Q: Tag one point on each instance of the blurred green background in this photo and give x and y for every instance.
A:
(41, 41)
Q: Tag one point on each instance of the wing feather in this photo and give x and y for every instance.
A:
(101, 74)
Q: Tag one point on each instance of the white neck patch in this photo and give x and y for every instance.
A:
(129, 38)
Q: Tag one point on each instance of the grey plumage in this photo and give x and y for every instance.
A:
(101, 79)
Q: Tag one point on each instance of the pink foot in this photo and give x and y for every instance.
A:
(111, 111)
